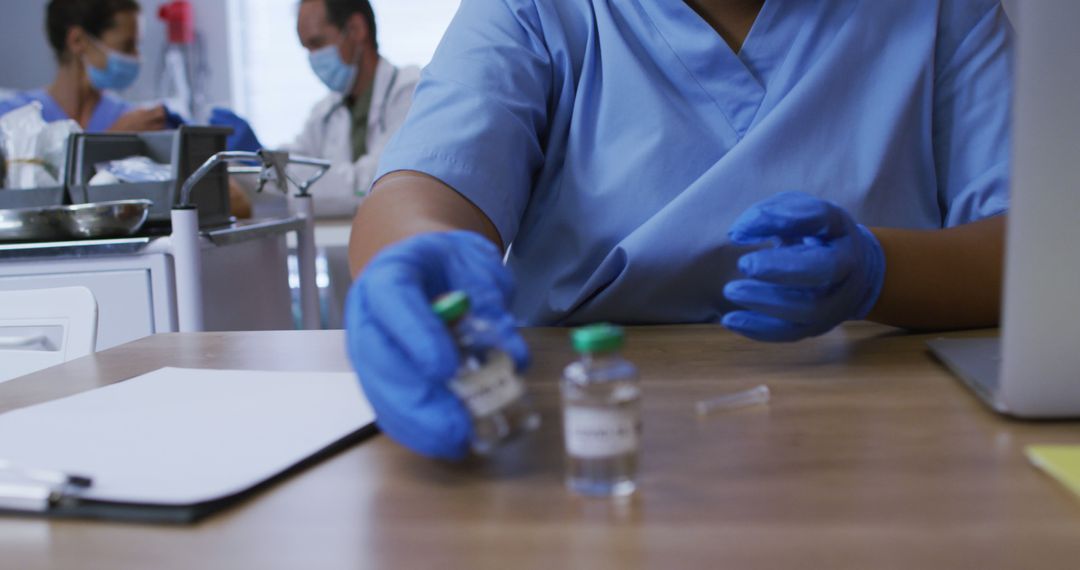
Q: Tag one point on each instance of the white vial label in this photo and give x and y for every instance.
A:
(598, 432)
(491, 388)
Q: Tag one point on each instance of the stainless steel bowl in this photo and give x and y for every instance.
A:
(31, 224)
(119, 218)
(81, 221)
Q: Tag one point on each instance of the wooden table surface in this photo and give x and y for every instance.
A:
(869, 455)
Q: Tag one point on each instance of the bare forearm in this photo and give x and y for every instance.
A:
(404, 204)
(942, 279)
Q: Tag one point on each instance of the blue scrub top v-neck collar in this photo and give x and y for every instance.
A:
(107, 111)
(735, 82)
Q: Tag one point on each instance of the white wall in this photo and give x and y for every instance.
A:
(211, 21)
(27, 61)
(410, 30)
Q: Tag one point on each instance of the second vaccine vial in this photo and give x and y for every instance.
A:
(601, 403)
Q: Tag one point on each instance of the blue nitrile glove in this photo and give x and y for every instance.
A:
(404, 355)
(172, 119)
(826, 269)
(242, 138)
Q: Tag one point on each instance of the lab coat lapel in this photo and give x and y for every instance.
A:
(725, 80)
(335, 142)
(380, 90)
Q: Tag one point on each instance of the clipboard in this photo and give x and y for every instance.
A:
(175, 445)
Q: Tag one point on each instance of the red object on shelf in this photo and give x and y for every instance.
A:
(180, 18)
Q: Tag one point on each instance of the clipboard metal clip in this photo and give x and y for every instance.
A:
(27, 489)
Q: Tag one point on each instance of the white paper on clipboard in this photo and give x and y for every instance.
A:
(183, 436)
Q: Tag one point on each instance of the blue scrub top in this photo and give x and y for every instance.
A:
(615, 142)
(105, 115)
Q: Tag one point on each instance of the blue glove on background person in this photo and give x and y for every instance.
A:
(243, 137)
(404, 355)
(826, 269)
(173, 120)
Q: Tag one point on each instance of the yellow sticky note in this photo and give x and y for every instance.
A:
(1062, 462)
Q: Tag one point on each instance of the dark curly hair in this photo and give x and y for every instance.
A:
(94, 16)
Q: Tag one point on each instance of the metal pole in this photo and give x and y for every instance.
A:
(186, 244)
(187, 258)
(202, 171)
(305, 256)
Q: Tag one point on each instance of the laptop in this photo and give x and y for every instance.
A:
(1033, 369)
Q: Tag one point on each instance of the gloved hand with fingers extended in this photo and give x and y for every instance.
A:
(243, 137)
(826, 269)
(404, 354)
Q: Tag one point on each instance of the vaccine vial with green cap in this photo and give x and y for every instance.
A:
(601, 403)
(486, 381)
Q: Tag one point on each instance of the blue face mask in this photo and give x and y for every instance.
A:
(120, 71)
(336, 74)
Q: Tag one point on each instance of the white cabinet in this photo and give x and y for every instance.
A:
(245, 280)
(123, 287)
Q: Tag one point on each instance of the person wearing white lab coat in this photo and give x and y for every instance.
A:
(328, 134)
(368, 102)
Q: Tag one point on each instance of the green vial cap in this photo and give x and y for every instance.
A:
(451, 306)
(597, 339)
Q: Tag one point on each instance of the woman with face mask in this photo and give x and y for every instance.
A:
(96, 47)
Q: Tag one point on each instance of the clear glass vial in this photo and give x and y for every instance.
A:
(601, 403)
(486, 380)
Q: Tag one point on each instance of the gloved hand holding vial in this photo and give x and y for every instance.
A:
(406, 356)
(486, 381)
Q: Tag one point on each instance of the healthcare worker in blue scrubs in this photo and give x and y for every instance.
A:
(96, 47)
(775, 166)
